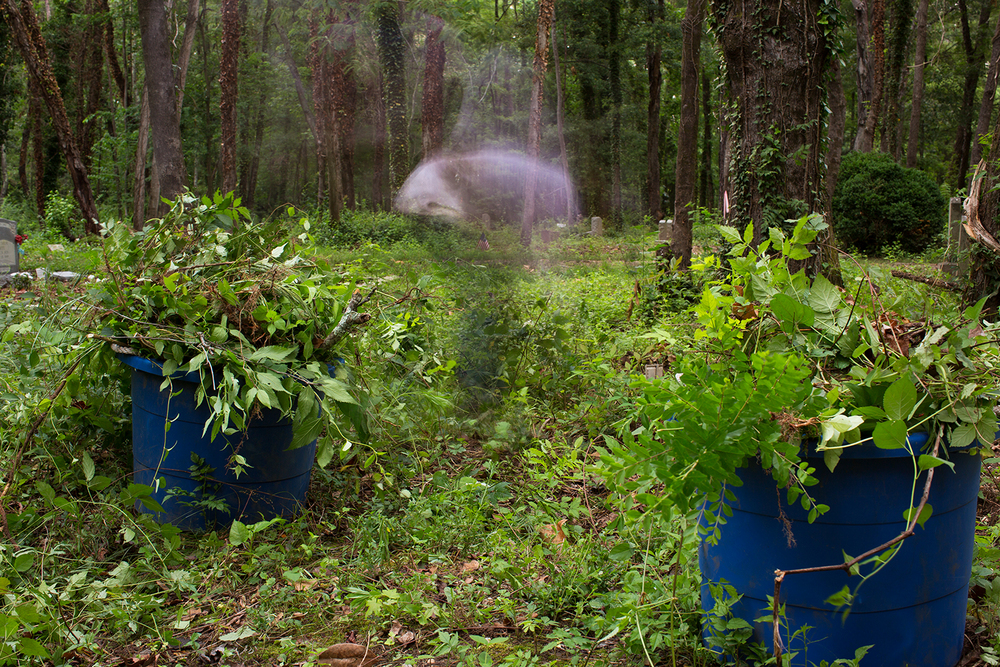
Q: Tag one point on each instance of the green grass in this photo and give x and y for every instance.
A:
(473, 529)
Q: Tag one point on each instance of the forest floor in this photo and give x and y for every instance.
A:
(474, 530)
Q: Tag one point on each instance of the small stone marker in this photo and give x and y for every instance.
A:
(9, 260)
(596, 226)
(665, 230)
(56, 247)
(654, 371)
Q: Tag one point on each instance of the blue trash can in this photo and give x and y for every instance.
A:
(275, 484)
(912, 612)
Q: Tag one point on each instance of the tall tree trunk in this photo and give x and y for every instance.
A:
(163, 112)
(331, 125)
(91, 79)
(139, 181)
(899, 35)
(343, 91)
(836, 128)
(228, 92)
(300, 89)
(392, 56)
(975, 56)
(546, 15)
(563, 155)
(707, 188)
(917, 99)
(777, 57)
(686, 174)
(432, 102)
(30, 43)
(248, 180)
(865, 76)
(865, 140)
(615, 81)
(376, 102)
(111, 52)
(986, 106)
(320, 108)
(654, 71)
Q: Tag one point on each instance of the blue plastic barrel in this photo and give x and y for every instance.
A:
(912, 612)
(275, 484)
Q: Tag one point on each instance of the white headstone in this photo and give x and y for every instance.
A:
(9, 260)
(596, 226)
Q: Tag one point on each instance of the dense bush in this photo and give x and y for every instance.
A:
(879, 203)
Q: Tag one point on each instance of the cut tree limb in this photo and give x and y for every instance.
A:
(350, 319)
(933, 282)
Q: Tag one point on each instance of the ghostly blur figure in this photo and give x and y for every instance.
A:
(485, 185)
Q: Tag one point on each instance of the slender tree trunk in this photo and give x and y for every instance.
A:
(392, 55)
(343, 99)
(865, 75)
(865, 141)
(975, 57)
(376, 103)
(707, 182)
(615, 82)
(187, 46)
(228, 92)
(111, 52)
(331, 125)
(28, 38)
(899, 35)
(546, 16)
(563, 155)
(986, 106)
(248, 181)
(836, 128)
(139, 181)
(163, 112)
(432, 102)
(686, 174)
(917, 99)
(320, 109)
(654, 55)
(300, 89)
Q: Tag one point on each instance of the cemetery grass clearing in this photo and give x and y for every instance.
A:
(469, 531)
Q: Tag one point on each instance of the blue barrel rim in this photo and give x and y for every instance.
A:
(154, 367)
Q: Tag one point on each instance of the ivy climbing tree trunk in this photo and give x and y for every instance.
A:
(392, 56)
(31, 45)
(686, 174)
(546, 15)
(776, 59)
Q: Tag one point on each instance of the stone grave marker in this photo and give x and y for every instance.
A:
(9, 260)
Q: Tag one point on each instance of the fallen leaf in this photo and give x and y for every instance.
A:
(471, 566)
(407, 637)
(554, 532)
(347, 655)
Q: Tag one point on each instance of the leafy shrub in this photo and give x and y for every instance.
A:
(878, 203)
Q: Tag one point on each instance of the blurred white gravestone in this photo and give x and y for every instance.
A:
(9, 261)
(666, 230)
(596, 226)
(956, 256)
